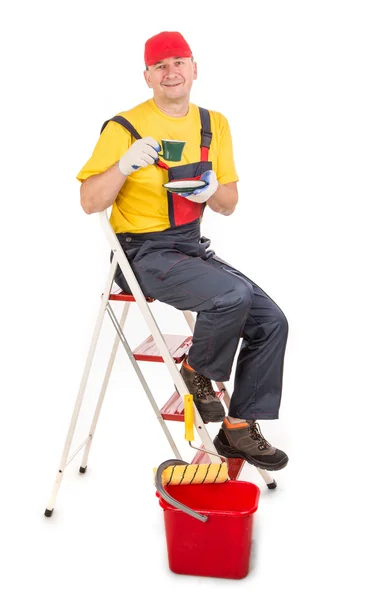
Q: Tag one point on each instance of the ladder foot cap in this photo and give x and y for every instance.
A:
(48, 513)
(272, 486)
(82, 469)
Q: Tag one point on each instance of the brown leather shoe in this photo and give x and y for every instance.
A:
(245, 440)
(204, 396)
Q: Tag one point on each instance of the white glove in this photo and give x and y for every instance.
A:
(201, 195)
(142, 153)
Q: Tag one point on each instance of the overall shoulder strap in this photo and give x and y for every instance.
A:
(206, 134)
(129, 127)
(123, 121)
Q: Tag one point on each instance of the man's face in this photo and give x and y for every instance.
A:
(171, 78)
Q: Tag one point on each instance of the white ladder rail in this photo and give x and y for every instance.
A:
(154, 329)
(81, 392)
(120, 258)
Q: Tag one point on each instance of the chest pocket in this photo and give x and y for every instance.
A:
(182, 210)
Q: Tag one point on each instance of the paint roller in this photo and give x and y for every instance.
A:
(179, 472)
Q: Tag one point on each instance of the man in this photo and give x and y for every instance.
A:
(160, 234)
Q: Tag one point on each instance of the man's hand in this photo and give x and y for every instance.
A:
(204, 193)
(142, 153)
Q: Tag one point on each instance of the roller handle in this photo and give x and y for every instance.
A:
(188, 417)
(167, 497)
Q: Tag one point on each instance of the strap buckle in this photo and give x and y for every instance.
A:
(206, 137)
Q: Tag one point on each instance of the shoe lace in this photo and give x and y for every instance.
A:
(203, 386)
(256, 435)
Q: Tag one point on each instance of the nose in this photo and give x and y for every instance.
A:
(171, 70)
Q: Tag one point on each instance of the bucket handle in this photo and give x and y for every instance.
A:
(169, 499)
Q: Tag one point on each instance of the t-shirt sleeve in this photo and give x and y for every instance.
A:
(113, 142)
(226, 171)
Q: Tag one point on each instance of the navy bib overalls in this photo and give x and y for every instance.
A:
(176, 266)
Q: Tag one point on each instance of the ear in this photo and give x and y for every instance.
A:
(194, 71)
(147, 77)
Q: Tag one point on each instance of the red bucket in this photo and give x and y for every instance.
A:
(221, 546)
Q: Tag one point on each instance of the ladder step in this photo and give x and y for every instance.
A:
(178, 347)
(234, 466)
(174, 408)
(123, 297)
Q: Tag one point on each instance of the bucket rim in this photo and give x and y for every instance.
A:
(218, 511)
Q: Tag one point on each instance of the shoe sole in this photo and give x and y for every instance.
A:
(229, 452)
(212, 419)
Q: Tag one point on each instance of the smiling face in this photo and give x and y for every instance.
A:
(171, 79)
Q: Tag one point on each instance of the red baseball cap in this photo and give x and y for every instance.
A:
(165, 45)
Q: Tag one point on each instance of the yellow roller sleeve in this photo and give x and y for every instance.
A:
(193, 474)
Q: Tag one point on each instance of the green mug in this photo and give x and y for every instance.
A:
(172, 150)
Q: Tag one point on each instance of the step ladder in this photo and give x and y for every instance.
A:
(167, 348)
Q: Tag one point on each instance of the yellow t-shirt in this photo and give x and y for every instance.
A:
(142, 203)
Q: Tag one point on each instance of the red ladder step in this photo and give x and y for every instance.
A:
(234, 466)
(174, 407)
(178, 347)
(123, 297)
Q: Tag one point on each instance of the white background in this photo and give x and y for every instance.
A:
(306, 86)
